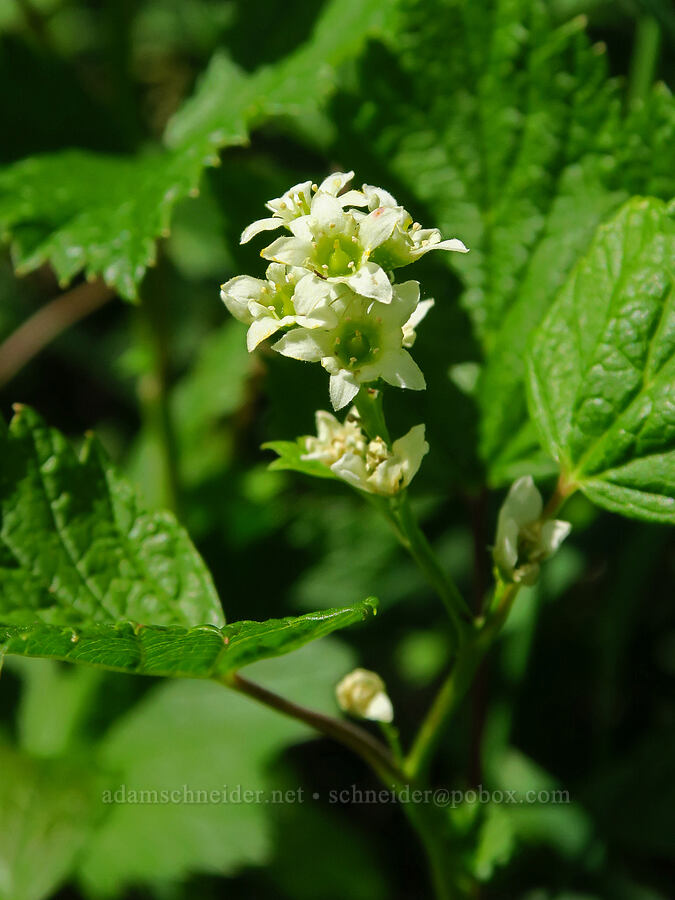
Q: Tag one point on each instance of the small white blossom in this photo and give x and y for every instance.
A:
(366, 344)
(334, 438)
(288, 296)
(367, 465)
(523, 538)
(297, 200)
(362, 693)
(407, 241)
(337, 245)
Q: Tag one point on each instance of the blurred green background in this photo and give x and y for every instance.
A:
(579, 693)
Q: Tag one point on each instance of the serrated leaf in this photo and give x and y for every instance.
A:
(174, 652)
(76, 548)
(601, 369)
(507, 131)
(88, 577)
(290, 455)
(102, 215)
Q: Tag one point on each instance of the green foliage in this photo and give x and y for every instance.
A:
(68, 808)
(496, 121)
(76, 548)
(88, 577)
(103, 215)
(290, 455)
(173, 652)
(47, 809)
(602, 367)
(516, 143)
(198, 735)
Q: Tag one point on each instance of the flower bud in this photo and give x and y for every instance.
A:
(362, 693)
(524, 538)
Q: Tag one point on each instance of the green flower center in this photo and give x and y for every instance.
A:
(337, 256)
(282, 299)
(356, 345)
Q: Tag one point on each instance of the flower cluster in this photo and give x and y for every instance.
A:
(524, 536)
(330, 284)
(368, 465)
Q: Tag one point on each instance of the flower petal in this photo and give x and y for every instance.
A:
(334, 183)
(256, 227)
(505, 552)
(377, 196)
(371, 281)
(377, 227)
(352, 469)
(261, 329)
(380, 709)
(418, 314)
(327, 214)
(553, 533)
(310, 293)
(523, 502)
(353, 198)
(399, 369)
(342, 388)
(451, 244)
(411, 450)
(237, 292)
(289, 250)
(301, 343)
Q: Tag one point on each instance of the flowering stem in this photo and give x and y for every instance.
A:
(352, 736)
(431, 836)
(458, 681)
(380, 760)
(416, 543)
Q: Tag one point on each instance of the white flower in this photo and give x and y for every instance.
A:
(367, 465)
(523, 538)
(297, 200)
(408, 241)
(334, 438)
(363, 694)
(365, 344)
(337, 245)
(289, 296)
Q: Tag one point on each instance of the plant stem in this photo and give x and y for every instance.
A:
(416, 543)
(368, 402)
(380, 760)
(458, 682)
(399, 513)
(644, 59)
(435, 849)
(154, 399)
(352, 736)
(48, 323)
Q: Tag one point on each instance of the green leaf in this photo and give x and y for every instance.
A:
(76, 548)
(197, 735)
(48, 809)
(170, 651)
(89, 577)
(504, 130)
(102, 215)
(290, 457)
(601, 369)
